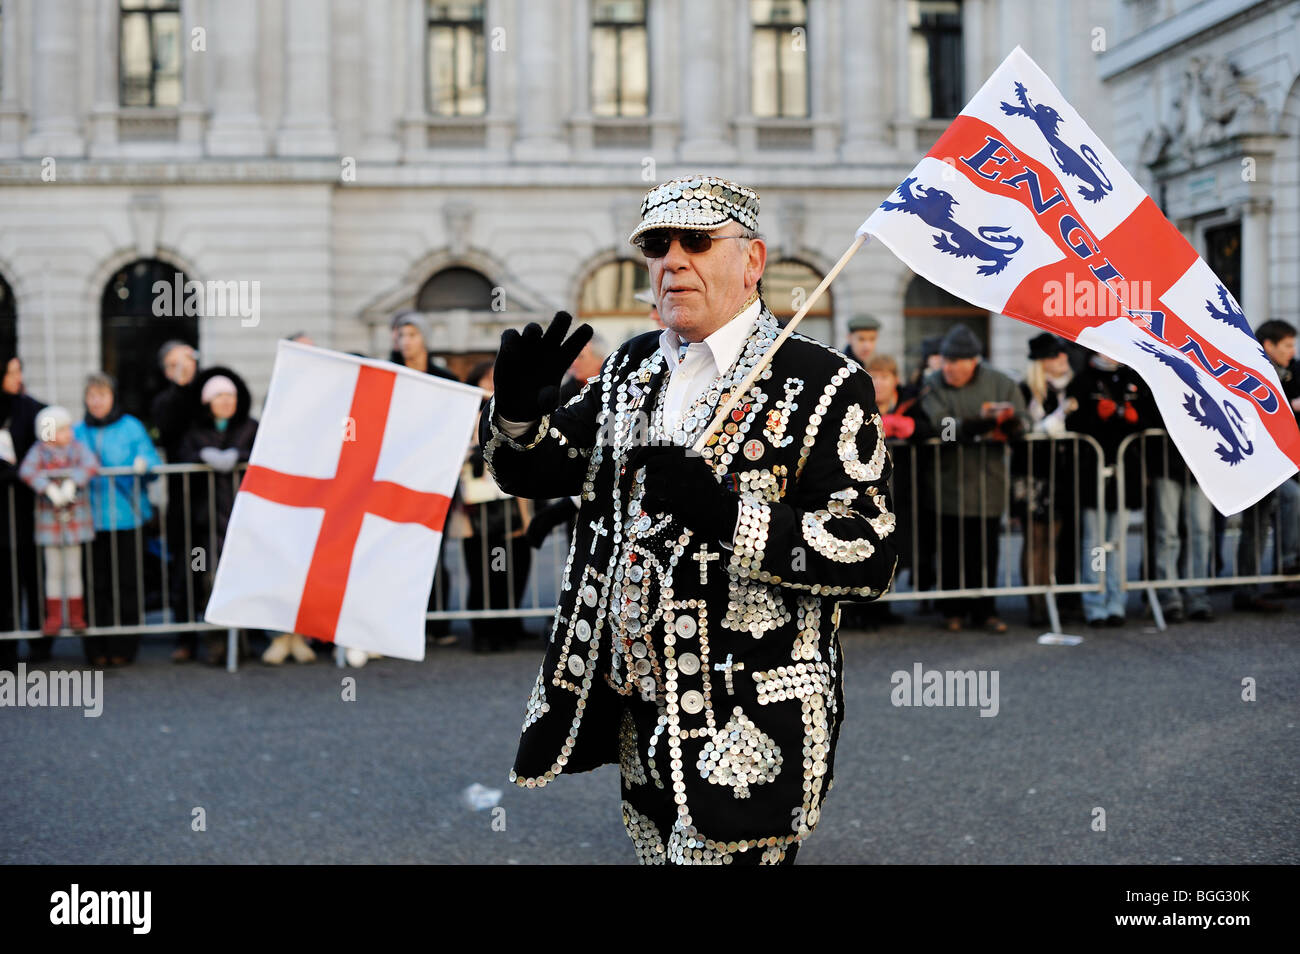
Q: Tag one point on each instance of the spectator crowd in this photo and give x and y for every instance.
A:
(977, 456)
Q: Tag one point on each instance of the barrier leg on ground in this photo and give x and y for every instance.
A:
(1156, 612)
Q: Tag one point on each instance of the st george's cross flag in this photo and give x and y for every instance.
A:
(336, 526)
(1019, 208)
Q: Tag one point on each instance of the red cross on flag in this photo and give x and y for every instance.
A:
(336, 527)
(1021, 209)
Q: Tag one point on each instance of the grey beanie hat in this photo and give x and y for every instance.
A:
(960, 342)
(415, 320)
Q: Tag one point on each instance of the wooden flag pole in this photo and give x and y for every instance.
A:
(738, 392)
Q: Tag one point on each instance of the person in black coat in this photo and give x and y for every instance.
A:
(171, 414)
(222, 438)
(18, 411)
(496, 527)
(1042, 497)
(1109, 406)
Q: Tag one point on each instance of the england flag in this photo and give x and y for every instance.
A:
(1019, 208)
(336, 527)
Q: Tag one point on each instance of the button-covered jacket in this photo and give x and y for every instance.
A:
(731, 647)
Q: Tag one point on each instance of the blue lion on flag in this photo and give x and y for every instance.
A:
(1232, 315)
(935, 207)
(1205, 410)
(1085, 167)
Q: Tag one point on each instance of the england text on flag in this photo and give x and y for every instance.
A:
(337, 524)
(1019, 199)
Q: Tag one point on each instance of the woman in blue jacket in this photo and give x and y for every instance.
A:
(119, 507)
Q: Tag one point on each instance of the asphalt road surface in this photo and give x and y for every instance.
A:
(1149, 728)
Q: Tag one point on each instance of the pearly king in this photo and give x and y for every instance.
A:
(709, 670)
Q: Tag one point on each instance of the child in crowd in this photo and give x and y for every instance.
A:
(59, 468)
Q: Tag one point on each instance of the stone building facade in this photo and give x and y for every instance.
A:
(1207, 117)
(338, 161)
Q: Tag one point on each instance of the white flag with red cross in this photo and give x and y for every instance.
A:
(1021, 209)
(336, 527)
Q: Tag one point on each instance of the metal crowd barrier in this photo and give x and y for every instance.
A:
(159, 573)
(1243, 537)
(921, 506)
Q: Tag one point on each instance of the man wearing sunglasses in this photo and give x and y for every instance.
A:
(695, 641)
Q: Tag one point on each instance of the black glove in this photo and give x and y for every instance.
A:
(680, 482)
(530, 367)
(547, 519)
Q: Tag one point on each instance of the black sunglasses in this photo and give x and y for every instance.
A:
(656, 242)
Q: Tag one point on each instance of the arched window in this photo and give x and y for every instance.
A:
(607, 300)
(786, 286)
(455, 288)
(8, 320)
(929, 310)
(144, 305)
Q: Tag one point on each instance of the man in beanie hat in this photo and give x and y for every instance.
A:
(864, 330)
(411, 345)
(695, 643)
(970, 403)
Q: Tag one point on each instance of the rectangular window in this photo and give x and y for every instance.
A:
(620, 71)
(457, 59)
(149, 54)
(935, 58)
(779, 58)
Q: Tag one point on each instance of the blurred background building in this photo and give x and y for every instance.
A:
(483, 162)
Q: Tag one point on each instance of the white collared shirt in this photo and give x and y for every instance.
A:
(705, 361)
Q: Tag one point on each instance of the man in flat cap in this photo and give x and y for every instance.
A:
(970, 403)
(863, 332)
(695, 641)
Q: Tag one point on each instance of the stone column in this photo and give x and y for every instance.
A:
(704, 83)
(306, 125)
(103, 116)
(864, 90)
(543, 64)
(415, 118)
(55, 71)
(11, 109)
(236, 127)
(1254, 260)
(904, 121)
(193, 112)
(379, 141)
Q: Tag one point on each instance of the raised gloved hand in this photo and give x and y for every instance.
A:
(531, 365)
(222, 461)
(680, 482)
